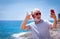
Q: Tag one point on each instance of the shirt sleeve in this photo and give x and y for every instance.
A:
(28, 25)
(49, 23)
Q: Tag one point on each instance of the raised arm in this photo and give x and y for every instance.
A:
(55, 20)
(23, 25)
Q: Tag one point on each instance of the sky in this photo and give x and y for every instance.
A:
(17, 9)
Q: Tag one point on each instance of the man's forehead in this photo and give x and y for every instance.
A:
(36, 11)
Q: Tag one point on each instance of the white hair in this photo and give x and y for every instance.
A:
(36, 9)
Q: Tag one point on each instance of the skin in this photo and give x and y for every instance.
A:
(37, 19)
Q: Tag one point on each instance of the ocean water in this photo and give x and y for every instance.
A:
(7, 28)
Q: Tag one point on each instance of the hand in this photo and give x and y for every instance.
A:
(27, 17)
(53, 15)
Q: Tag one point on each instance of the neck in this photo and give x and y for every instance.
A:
(37, 21)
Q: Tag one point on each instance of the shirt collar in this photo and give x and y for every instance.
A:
(39, 21)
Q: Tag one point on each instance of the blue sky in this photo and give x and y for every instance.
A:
(16, 9)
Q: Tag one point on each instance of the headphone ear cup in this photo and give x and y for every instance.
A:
(33, 16)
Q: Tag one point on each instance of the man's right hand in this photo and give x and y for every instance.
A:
(27, 17)
(23, 26)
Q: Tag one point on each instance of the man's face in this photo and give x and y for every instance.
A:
(37, 15)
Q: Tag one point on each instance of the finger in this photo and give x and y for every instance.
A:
(31, 18)
(27, 13)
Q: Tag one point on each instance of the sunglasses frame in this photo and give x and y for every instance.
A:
(37, 14)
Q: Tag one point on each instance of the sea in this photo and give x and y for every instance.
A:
(8, 28)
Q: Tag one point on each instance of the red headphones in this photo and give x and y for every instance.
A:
(52, 11)
(33, 16)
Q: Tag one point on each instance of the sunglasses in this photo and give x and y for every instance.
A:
(38, 14)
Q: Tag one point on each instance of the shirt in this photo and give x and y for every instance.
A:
(40, 30)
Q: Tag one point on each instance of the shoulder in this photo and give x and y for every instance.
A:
(47, 21)
(31, 23)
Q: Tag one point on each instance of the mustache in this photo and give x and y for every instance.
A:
(38, 17)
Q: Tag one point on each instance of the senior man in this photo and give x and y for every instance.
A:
(39, 27)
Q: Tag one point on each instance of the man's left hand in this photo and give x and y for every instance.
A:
(53, 15)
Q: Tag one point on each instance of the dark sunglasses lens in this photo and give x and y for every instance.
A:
(38, 13)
